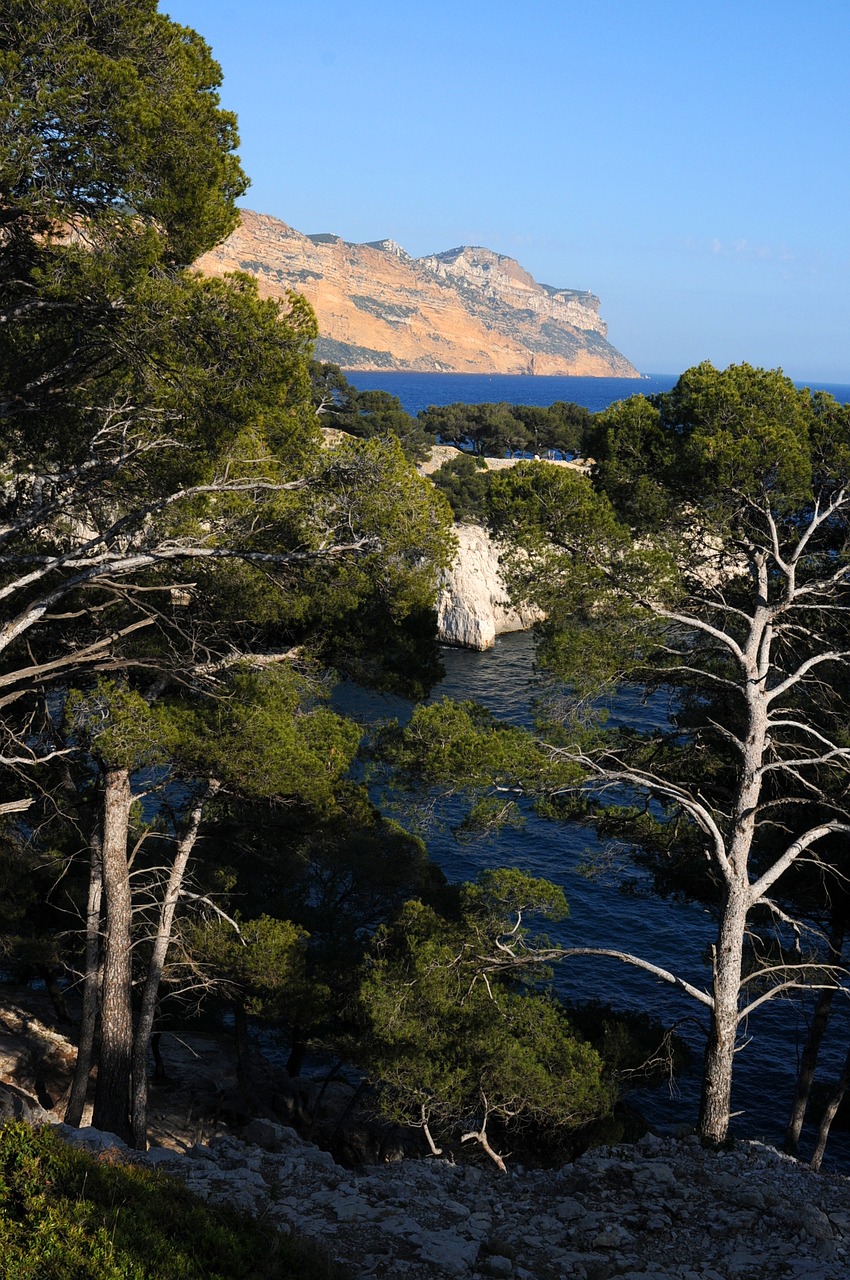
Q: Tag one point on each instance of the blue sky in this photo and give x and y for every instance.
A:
(686, 161)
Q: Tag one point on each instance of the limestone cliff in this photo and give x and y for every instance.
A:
(473, 606)
(468, 310)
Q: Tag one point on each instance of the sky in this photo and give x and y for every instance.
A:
(686, 161)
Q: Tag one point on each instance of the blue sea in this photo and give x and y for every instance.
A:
(419, 390)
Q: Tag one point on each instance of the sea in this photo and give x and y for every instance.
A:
(420, 390)
(610, 905)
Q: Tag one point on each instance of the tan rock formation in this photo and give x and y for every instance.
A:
(467, 310)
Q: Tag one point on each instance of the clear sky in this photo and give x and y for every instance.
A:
(686, 160)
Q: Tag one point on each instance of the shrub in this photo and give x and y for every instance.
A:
(65, 1215)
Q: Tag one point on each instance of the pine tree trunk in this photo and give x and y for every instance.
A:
(811, 1052)
(156, 964)
(244, 1068)
(112, 1096)
(835, 1100)
(716, 1102)
(57, 995)
(91, 989)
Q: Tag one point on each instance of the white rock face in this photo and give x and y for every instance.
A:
(473, 606)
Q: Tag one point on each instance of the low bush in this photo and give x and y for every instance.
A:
(67, 1215)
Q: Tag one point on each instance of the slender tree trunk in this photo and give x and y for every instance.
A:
(91, 988)
(160, 1075)
(244, 1069)
(432, 1146)
(811, 1051)
(57, 995)
(835, 1100)
(297, 1054)
(715, 1105)
(112, 1095)
(156, 964)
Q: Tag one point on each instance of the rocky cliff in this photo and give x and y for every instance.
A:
(468, 310)
(473, 606)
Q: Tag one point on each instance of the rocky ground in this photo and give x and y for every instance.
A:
(660, 1209)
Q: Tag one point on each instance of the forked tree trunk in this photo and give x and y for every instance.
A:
(480, 1136)
(156, 965)
(811, 1051)
(715, 1105)
(112, 1095)
(91, 988)
(835, 1100)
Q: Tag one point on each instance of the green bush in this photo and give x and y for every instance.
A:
(464, 481)
(65, 1215)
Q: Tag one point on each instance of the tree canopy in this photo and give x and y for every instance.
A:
(177, 546)
(453, 1049)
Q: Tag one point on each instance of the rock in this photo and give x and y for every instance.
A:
(672, 1212)
(815, 1223)
(568, 1210)
(15, 1104)
(497, 1265)
(473, 605)
(269, 1135)
(468, 309)
(93, 1139)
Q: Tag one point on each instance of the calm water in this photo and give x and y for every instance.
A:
(419, 390)
(605, 914)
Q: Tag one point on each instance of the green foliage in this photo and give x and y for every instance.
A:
(365, 413)
(315, 883)
(387, 590)
(561, 426)
(264, 963)
(465, 482)
(633, 456)
(568, 553)
(268, 735)
(493, 429)
(488, 428)
(718, 440)
(115, 724)
(125, 125)
(743, 430)
(454, 1049)
(450, 747)
(65, 1215)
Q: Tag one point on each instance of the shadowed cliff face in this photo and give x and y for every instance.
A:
(467, 310)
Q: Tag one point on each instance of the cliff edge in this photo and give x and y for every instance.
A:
(466, 310)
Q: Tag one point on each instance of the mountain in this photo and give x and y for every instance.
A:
(467, 310)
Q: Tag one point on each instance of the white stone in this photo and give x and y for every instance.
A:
(473, 606)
